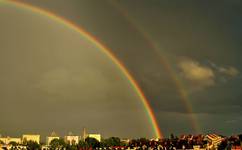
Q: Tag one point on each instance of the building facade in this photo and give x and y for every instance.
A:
(71, 139)
(29, 137)
(7, 140)
(95, 136)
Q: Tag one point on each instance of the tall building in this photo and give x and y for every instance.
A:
(84, 134)
(31, 137)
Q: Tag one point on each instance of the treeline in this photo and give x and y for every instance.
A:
(183, 142)
(60, 144)
(89, 143)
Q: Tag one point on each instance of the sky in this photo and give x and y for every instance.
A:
(169, 47)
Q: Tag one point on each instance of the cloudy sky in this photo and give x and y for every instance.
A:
(163, 44)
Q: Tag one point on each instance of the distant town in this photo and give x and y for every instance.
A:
(95, 141)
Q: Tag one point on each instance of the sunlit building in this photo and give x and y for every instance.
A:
(198, 147)
(71, 139)
(29, 137)
(7, 140)
(126, 141)
(154, 139)
(95, 136)
(213, 140)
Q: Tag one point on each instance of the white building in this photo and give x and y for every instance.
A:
(7, 140)
(29, 137)
(71, 139)
(95, 136)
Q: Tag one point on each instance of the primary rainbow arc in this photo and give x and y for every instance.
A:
(104, 49)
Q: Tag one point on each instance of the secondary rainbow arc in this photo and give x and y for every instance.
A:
(104, 49)
(164, 61)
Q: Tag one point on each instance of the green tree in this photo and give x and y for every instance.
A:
(223, 145)
(12, 143)
(57, 144)
(1, 142)
(92, 142)
(172, 137)
(112, 141)
(72, 147)
(142, 141)
(82, 145)
(240, 137)
(31, 145)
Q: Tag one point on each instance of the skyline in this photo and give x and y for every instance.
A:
(196, 142)
(184, 56)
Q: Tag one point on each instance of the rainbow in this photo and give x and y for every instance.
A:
(149, 112)
(165, 62)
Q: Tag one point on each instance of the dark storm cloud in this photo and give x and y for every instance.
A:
(207, 32)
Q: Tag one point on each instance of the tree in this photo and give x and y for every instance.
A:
(13, 143)
(240, 137)
(71, 147)
(143, 141)
(172, 137)
(57, 144)
(31, 145)
(112, 141)
(1, 142)
(92, 142)
(223, 145)
(82, 145)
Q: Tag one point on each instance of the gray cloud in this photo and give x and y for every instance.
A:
(200, 76)
(229, 71)
(197, 75)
